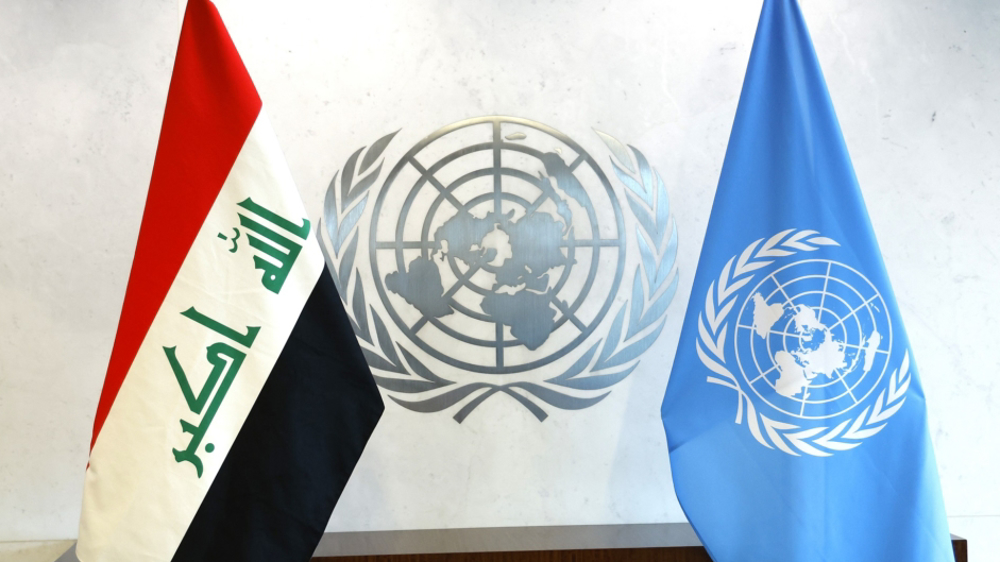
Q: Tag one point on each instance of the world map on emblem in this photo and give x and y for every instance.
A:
(521, 255)
(813, 339)
(507, 248)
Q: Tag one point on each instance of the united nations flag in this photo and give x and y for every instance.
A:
(794, 416)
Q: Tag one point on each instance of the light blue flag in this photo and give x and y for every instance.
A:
(795, 420)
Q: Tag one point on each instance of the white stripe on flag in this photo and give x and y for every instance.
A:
(137, 497)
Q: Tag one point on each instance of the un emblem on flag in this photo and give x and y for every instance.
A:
(811, 341)
(496, 254)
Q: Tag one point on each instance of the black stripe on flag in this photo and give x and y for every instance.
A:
(290, 462)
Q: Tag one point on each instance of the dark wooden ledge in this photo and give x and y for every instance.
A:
(663, 542)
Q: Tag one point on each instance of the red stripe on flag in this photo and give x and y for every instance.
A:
(211, 106)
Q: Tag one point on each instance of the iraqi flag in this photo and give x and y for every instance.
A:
(237, 401)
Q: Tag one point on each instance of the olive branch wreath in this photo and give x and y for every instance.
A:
(713, 327)
(402, 373)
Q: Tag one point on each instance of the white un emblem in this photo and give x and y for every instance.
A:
(492, 260)
(813, 339)
(805, 343)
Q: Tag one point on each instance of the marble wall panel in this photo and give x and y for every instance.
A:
(82, 88)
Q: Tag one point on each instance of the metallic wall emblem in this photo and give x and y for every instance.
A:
(498, 248)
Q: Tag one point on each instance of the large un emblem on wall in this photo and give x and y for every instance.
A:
(499, 246)
(496, 264)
